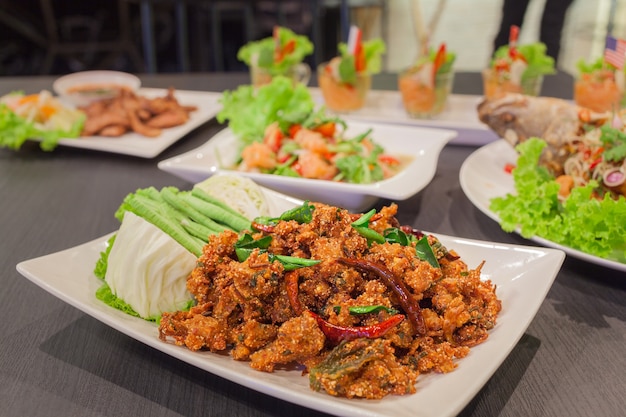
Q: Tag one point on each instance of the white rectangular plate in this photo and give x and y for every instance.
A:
(523, 275)
(385, 106)
(483, 178)
(422, 144)
(144, 147)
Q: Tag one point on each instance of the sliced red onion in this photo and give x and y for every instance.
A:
(613, 178)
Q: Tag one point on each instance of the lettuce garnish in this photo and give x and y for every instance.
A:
(16, 130)
(535, 56)
(583, 221)
(372, 51)
(265, 53)
(249, 111)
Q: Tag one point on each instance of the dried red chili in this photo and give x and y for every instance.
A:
(410, 306)
(267, 228)
(336, 334)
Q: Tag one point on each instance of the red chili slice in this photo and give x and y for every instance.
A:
(336, 334)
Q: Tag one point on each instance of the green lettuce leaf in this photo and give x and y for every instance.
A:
(16, 130)
(535, 54)
(583, 222)
(249, 111)
(264, 51)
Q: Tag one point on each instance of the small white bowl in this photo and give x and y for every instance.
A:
(82, 88)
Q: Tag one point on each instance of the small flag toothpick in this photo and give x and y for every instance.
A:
(615, 51)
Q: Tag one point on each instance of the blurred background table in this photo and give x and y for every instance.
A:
(57, 361)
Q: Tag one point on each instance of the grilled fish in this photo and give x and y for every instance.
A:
(518, 117)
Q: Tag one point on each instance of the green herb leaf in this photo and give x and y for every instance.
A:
(356, 310)
(425, 252)
(246, 244)
(614, 141)
(302, 214)
(291, 262)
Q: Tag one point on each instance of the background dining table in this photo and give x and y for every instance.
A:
(56, 360)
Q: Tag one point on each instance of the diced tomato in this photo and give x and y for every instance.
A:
(516, 55)
(501, 65)
(388, 159)
(293, 129)
(297, 167)
(327, 129)
(508, 168)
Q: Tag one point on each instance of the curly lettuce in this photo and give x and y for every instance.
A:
(582, 221)
(249, 111)
(535, 56)
(264, 53)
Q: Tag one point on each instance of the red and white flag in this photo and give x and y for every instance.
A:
(615, 51)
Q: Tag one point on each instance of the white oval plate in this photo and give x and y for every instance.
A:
(483, 178)
(522, 274)
(422, 144)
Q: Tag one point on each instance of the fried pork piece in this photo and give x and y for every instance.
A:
(363, 368)
(425, 317)
(128, 112)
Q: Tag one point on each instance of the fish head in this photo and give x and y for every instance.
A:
(512, 117)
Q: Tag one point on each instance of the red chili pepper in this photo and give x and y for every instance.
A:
(439, 60)
(411, 231)
(291, 284)
(336, 334)
(359, 59)
(395, 284)
(388, 159)
(289, 47)
(267, 228)
(595, 163)
(509, 167)
(293, 129)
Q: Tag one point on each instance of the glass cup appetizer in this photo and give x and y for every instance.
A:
(346, 79)
(280, 54)
(425, 87)
(517, 69)
(341, 96)
(599, 86)
(498, 83)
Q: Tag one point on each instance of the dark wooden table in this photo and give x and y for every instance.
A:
(57, 361)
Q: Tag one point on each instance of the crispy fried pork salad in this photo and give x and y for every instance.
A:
(358, 302)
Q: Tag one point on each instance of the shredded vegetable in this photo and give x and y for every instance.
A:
(37, 116)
